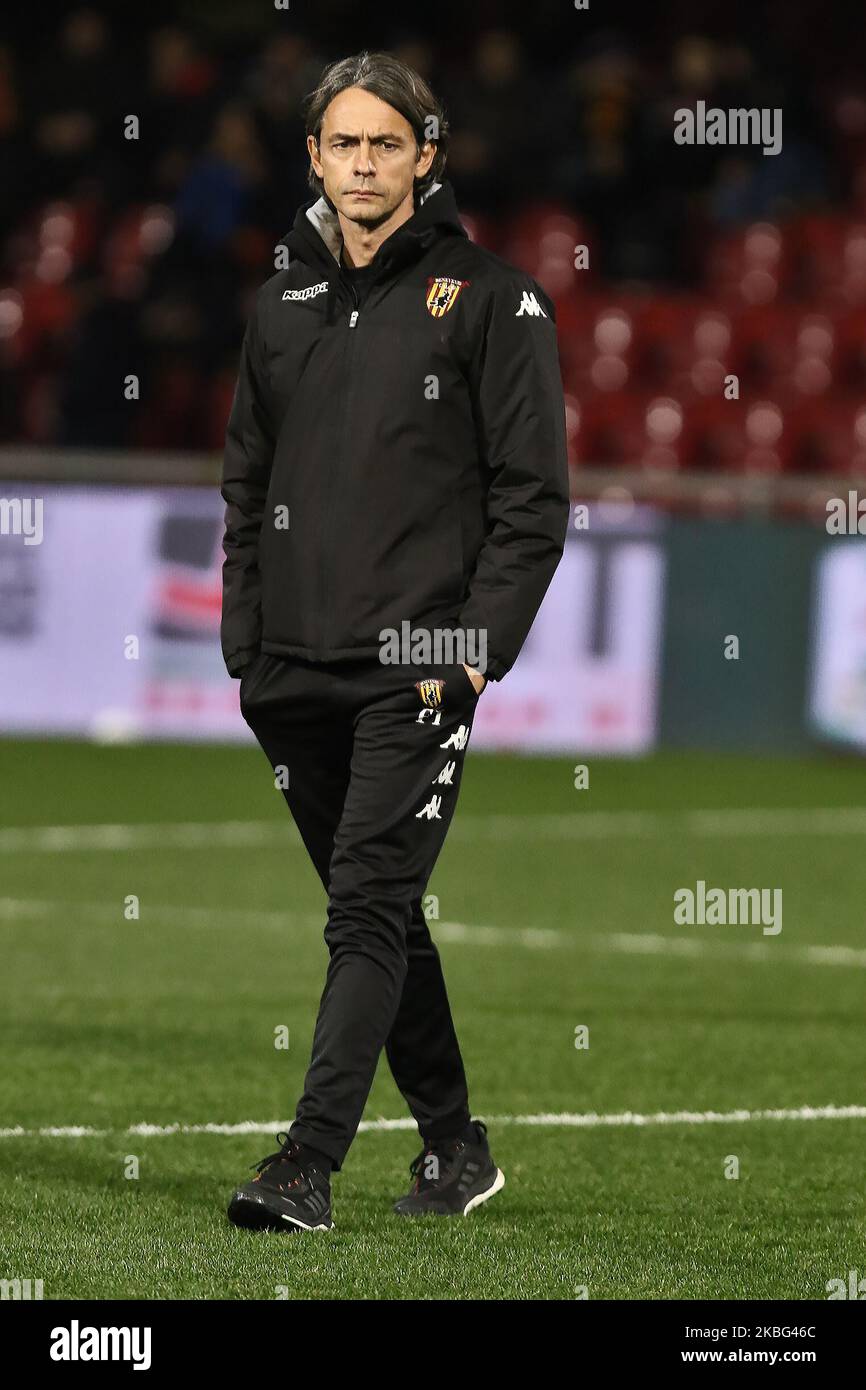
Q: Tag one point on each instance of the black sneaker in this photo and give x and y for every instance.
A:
(289, 1192)
(452, 1177)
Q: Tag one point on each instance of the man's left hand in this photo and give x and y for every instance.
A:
(476, 678)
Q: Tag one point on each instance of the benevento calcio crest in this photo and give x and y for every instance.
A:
(430, 692)
(442, 292)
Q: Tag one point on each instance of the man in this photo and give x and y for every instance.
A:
(395, 464)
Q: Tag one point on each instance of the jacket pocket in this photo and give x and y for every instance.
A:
(458, 690)
(250, 677)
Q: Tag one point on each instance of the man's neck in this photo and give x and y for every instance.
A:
(360, 243)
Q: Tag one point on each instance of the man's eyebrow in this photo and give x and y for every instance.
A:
(341, 135)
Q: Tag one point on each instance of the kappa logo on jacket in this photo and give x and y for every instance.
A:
(307, 293)
(442, 292)
(530, 305)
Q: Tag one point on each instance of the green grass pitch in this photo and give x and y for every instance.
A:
(169, 1019)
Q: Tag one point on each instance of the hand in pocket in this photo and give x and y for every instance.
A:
(478, 681)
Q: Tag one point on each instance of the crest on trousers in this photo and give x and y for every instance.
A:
(442, 292)
(430, 692)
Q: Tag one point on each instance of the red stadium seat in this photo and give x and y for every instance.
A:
(665, 442)
(768, 434)
(46, 312)
(832, 258)
(142, 232)
(610, 431)
(542, 240)
(712, 350)
(816, 354)
(664, 349)
(754, 266)
(737, 436)
(172, 408)
(716, 434)
(482, 230)
(763, 349)
(830, 438)
(57, 240)
(850, 350)
(598, 342)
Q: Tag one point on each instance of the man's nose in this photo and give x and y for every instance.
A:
(364, 158)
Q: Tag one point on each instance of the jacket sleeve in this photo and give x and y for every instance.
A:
(520, 418)
(247, 461)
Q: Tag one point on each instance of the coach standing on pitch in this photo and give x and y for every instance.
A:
(395, 456)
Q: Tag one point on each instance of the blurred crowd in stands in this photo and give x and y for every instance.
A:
(124, 257)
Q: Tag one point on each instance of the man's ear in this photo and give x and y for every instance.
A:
(422, 152)
(313, 151)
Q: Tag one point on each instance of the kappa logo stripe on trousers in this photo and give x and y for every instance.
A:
(373, 780)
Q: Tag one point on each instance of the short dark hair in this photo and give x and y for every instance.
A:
(397, 84)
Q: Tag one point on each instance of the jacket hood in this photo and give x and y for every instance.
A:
(316, 238)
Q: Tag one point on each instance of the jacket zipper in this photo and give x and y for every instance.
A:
(348, 356)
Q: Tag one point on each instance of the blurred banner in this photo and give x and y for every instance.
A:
(740, 627)
(838, 688)
(110, 628)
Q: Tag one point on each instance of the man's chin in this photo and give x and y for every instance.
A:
(361, 208)
(367, 212)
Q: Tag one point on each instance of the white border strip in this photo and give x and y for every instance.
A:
(578, 825)
(554, 1120)
(455, 933)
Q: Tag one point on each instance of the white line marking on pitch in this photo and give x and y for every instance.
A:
(29, 909)
(173, 914)
(554, 1120)
(165, 836)
(193, 835)
(455, 933)
(650, 944)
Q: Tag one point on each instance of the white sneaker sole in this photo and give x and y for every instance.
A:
(496, 1186)
(302, 1226)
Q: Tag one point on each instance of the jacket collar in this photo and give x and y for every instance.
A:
(316, 237)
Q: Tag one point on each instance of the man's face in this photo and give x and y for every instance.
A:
(367, 157)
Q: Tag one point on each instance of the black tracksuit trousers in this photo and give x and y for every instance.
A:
(373, 778)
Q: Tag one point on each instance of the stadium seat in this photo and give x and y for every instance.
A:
(832, 258)
(664, 350)
(830, 438)
(768, 434)
(140, 234)
(46, 311)
(172, 407)
(665, 443)
(61, 237)
(542, 240)
(850, 349)
(484, 231)
(716, 434)
(752, 266)
(763, 348)
(610, 430)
